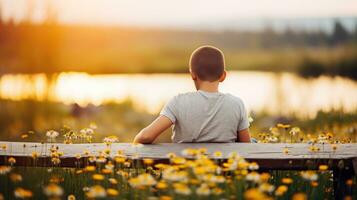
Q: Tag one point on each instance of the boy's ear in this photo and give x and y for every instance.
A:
(223, 77)
(193, 76)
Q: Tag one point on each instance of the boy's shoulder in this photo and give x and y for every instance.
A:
(186, 94)
(234, 99)
(191, 95)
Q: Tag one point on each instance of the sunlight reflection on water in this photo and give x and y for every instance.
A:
(276, 93)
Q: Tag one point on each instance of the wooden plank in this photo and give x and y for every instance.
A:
(269, 156)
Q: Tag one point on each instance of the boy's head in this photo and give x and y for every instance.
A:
(207, 64)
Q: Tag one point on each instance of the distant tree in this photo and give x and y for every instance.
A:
(317, 38)
(288, 37)
(268, 37)
(340, 34)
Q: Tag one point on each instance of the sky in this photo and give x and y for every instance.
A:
(177, 12)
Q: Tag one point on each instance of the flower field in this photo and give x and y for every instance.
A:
(192, 174)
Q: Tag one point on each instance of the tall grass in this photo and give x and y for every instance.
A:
(123, 120)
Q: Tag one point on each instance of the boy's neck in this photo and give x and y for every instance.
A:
(207, 86)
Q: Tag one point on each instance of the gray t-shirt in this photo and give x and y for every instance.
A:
(206, 117)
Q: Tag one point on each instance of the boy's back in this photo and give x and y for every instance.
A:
(206, 117)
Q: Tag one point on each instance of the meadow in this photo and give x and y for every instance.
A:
(122, 177)
(19, 118)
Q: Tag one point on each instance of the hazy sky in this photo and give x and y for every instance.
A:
(178, 12)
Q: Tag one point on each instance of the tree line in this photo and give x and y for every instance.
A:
(28, 47)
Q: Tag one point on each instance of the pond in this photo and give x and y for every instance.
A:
(276, 93)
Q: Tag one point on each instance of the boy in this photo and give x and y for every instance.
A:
(205, 115)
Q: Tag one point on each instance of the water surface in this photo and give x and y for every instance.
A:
(275, 93)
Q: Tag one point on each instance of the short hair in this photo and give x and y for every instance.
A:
(207, 62)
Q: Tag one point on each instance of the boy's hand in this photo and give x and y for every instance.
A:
(243, 136)
(151, 132)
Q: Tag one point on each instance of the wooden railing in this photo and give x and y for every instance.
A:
(341, 158)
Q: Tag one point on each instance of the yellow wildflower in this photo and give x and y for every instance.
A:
(285, 150)
(12, 160)
(203, 190)
(53, 190)
(148, 161)
(77, 156)
(4, 169)
(113, 181)
(254, 194)
(309, 175)
(164, 197)
(349, 182)
(161, 185)
(314, 148)
(96, 191)
(4, 147)
(264, 177)
(181, 188)
(142, 180)
(253, 166)
(15, 177)
(71, 197)
(98, 177)
(178, 160)
(323, 167)
(253, 176)
(119, 159)
(112, 192)
(287, 181)
(266, 187)
(281, 190)
(90, 168)
(55, 161)
(110, 139)
(107, 171)
(314, 183)
(217, 154)
(34, 155)
(217, 191)
(22, 193)
(56, 179)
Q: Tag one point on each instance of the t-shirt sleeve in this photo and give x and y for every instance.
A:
(244, 121)
(170, 109)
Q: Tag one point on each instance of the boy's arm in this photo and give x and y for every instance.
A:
(151, 132)
(243, 136)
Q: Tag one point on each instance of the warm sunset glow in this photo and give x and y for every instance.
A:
(283, 93)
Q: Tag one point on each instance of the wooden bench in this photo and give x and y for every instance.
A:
(343, 160)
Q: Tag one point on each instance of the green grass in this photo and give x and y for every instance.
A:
(123, 120)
